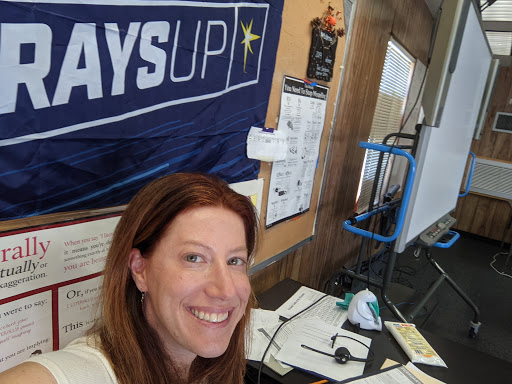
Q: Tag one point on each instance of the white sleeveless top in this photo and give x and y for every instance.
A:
(78, 363)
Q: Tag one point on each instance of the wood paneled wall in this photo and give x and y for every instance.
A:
(374, 23)
(480, 215)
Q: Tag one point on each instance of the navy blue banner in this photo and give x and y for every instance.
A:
(99, 97)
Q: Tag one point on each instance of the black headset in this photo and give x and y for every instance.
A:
(342, 355)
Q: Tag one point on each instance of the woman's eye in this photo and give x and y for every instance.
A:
(194, 258)
(236, 261)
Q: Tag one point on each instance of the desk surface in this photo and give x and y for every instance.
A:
(465, 365)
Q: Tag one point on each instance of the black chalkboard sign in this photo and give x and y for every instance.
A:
(322, 54)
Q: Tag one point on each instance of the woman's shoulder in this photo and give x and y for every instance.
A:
(86, 344)
(79, 362)
(85, 347)
(27, 373)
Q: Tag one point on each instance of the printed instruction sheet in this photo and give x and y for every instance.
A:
(302, 117)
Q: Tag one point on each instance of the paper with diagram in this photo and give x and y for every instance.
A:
(302, 117)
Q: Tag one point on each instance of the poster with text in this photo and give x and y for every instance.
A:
(40, 258)
(62, 262)
(301, 117)
(77, 308)
(25, 329)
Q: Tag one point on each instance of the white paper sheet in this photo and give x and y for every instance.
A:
(316, 334)
(258, 341)
(263, 326)
(326, 309)
(265, 323)
(266, 145)
(422, 375)
(279, 339)
(398, 375)
(253, 189)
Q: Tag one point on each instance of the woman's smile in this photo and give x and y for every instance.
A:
(210, 317)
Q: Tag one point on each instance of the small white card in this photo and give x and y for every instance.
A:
(266, 144)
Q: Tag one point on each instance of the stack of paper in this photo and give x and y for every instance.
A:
(263, 326)
(313, 328)
(316, 334)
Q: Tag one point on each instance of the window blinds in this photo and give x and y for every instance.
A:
(394, 87)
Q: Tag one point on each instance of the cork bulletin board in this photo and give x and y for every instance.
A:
(292, 60)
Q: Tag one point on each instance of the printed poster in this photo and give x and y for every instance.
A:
(50, 280)
(25, 329)
(77, 309)
(301, 116)
(31, 260)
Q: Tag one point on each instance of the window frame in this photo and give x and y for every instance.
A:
(393, 93)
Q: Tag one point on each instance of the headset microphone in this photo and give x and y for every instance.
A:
(341, 355)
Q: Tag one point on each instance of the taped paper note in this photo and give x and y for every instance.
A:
(266, 144)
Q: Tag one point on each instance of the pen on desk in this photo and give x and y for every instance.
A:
(320, 382)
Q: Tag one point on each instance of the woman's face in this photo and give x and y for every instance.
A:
(196, 282)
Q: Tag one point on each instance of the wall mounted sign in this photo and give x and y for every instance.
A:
(97, 98)
(324, 41)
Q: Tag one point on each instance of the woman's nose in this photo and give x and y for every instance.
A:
(221, 283)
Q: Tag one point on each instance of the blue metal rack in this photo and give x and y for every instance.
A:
(349, 225)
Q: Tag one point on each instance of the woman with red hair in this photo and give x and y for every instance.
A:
(176, 297)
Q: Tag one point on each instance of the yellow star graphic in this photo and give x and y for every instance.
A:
(248, 37)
